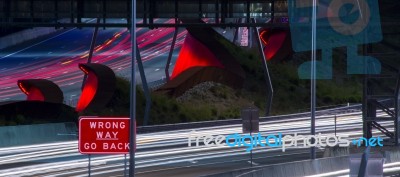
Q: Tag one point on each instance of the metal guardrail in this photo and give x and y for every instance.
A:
(192, 125)
(26, 13)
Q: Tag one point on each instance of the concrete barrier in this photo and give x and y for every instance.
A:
(298, 168)
(308, 167)
(38, 133)
(336, 151)
(24, 35)
(392, 155)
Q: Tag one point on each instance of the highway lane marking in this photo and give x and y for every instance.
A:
(36, 44)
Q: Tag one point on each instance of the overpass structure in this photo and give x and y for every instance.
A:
(221, 13)
(69, 13)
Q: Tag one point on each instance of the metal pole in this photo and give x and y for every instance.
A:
(272, 11)
(92, 44)
(248, 11)
(270, 89)
(313, 74)
(171, 50)
(146, 89)
(251, 131)
(251, 151)
(124, 165)
(364, 162)
(235, 36)
(132, 139)
(335, 124)
(89, 170)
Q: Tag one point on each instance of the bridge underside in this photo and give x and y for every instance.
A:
(381, 92)
(66, 13)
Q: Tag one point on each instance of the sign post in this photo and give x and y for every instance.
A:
(132, 105)
(250, 124)
(124, 165)
(104, 135)
(89, 170)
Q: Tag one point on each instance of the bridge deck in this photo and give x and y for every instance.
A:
(72, 12)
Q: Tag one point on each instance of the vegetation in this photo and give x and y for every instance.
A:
(292, 94)
(164, 109)
(26, 113)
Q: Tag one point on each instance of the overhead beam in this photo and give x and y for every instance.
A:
(155, 25)
(76, 10)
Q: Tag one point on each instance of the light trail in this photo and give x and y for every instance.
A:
(164, 149)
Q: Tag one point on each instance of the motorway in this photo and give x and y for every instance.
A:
(56, 57)
(167, 153)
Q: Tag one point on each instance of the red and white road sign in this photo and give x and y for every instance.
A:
(104, 135)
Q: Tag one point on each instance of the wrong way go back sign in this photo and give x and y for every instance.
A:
(104, 135)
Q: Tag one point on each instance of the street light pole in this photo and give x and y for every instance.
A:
(313, 74)
(132, 112)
